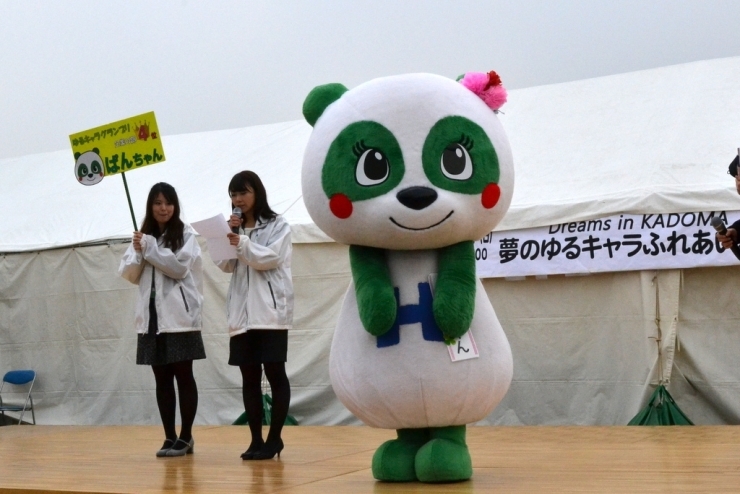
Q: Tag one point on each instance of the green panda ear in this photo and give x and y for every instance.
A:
(77, 155)
(319, 98)
(95, 150)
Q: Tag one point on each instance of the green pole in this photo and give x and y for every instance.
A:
(130, 207)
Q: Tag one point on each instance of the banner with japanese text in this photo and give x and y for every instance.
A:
(622, 242)
(116, 147)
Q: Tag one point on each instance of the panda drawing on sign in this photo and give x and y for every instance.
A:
(410, 171)
(89, 168)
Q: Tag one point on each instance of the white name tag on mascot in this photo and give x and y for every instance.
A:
(409, 171)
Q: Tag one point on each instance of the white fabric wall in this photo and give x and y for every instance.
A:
(66, 314)
(706, 376)
(582, 346)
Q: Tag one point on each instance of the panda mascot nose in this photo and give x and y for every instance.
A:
(417, 197)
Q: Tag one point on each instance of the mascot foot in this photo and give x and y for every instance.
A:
(394, 460)
(445, 458)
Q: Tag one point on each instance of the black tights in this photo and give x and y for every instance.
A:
(165, 376)
(252, 394)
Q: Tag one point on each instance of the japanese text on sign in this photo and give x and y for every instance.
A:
(120, 146)
(617, 243)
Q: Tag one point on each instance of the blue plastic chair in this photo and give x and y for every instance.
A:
(19, 378)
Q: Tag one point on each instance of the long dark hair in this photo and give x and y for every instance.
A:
(173, 231)
(249, 180)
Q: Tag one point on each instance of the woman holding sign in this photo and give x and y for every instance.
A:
(164, 259)
(259, 308)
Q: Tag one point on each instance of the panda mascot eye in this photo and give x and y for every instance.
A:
(95, 167)
(372, 167)
(82, 170)
(456, 162)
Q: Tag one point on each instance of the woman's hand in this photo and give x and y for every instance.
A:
(728, 240)
(235, 221)
(137, 241)
(233, 239)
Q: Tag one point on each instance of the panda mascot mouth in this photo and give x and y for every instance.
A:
(423, 228)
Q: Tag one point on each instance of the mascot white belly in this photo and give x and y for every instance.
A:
(414, 383)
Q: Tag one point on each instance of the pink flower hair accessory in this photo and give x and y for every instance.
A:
(487, 86)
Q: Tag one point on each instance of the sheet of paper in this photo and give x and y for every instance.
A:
(215, 230)
(212, 227)
(463, 348)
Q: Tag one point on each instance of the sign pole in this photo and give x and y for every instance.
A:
(130, 207)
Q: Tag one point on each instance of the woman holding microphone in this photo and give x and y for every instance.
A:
(164, 259)
(259, 308)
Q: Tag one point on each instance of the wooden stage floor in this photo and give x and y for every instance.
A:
(35, 459)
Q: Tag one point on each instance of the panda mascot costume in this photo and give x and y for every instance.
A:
(410, 171)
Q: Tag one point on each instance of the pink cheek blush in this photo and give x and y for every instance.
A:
(490, 196)
(340, 206)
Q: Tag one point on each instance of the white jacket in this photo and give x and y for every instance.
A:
(178, 283)
(261, 290)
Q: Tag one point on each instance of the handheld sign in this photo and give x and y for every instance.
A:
(117, 148)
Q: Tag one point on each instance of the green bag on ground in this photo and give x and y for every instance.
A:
(266, 414)
(661, 410)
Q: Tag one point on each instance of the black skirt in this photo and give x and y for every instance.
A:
(167, 348)
(258, 346)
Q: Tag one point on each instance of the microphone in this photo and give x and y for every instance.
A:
(719, 225)
(238, 212)
(716, 222)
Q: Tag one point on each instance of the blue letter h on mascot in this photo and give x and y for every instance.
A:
(410, 314)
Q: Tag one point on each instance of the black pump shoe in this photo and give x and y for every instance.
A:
(269, 450)
(253, 448)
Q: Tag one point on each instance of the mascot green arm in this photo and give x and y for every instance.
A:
(376, 299)
(454, 291)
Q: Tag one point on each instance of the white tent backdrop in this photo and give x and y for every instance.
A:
(655, 141)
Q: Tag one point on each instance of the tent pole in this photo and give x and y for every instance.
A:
(659, 339)
(130, 207)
